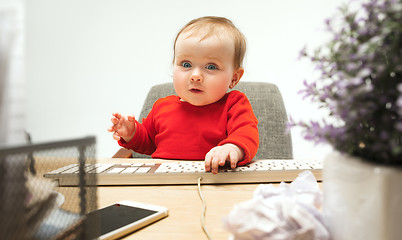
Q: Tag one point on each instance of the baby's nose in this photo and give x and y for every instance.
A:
(196, 76)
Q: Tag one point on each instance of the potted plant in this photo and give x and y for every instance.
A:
(360, 86)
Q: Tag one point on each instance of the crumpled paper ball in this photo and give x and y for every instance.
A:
(288, 211)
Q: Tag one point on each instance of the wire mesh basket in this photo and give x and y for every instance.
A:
(34, 207)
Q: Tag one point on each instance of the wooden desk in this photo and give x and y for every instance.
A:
(184, 204)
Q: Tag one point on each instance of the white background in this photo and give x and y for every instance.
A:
(88, 58)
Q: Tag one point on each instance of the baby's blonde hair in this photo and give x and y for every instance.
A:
(215, 25)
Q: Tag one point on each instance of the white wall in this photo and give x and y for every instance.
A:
(12, 78)
(89, 58)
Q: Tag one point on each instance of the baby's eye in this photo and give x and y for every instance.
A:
(211, 67)
(186, 64)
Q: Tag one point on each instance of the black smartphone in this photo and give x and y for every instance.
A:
(124, 217)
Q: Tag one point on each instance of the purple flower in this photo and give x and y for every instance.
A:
(399, 102)
(399, 87)
(302, 53)
(398, 126)
(360, 83)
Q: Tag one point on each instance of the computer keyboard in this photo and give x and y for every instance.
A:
(187, 172)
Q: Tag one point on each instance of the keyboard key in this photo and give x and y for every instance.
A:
(116, 170)
(101, 168)
(129, 170)
(143, 170)
(161, 169)
(71, 170)
(290, 167)
(62, 169)
(175, 170)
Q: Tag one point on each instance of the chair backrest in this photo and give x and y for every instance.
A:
(268, 106)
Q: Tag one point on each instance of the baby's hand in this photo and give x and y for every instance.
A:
(123, 127)
(218, 156)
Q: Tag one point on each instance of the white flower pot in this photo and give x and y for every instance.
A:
(361, 200)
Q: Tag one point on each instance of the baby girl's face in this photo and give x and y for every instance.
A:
(204, 68)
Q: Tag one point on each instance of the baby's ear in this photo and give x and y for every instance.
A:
(237, 74)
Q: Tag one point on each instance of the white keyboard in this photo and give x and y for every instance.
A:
(187, 172)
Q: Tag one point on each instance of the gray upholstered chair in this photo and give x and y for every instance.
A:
(268, 106)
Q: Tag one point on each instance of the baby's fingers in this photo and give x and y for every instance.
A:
(111, 129)
(233, 159)
(208, 159)
(116, 115)
(116, 136)
(131, 118)
(114, 120)
(211, 164)
(214, 165)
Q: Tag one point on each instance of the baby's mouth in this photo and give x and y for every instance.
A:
(195, 90)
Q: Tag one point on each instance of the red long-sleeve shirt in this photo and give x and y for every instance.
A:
(178, 130)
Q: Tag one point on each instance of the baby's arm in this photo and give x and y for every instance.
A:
(123, 127)
(241, 144)
(218, 156)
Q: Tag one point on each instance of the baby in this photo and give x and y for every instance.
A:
(204, 121)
